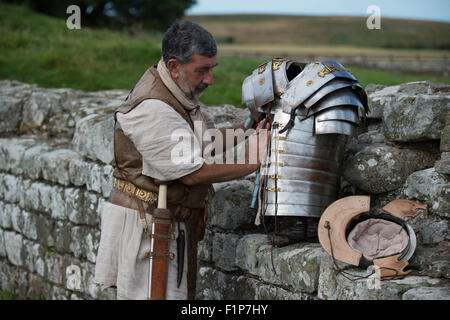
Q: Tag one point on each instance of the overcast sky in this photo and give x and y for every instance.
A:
(438, 10)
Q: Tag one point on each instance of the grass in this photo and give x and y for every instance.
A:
(6, 295)
(40, 49)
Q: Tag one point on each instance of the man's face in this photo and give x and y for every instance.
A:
(195, 76)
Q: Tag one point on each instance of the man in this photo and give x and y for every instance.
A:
(164, 101)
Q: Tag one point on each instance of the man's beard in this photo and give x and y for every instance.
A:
(193, 93)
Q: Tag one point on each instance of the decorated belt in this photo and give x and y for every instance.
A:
(132, 190)
(151, 198)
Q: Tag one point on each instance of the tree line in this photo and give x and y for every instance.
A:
(116, 14)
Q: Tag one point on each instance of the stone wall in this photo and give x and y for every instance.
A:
(55, 176)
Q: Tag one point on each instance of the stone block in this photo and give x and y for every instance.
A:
(12, 152)
(44, 229)
(432, 261)
(431, 187)
(85, 242)
(416, 112)
(5, 216)
(246, 250)
(300, 266)
(382, 168)
(55, 165)
(231, 205)
(204, 250)
(94, 136)
(224, 250)
(443, 165)
(33, 253)
(79, 171)
(10, 113)
(57, 203)
(445, 135)
(2, 244)
(39, 106)
(11, 188)
(62, 233)
(427, 293)
(31, 165)
(14, 247)
(29, 229)
(100, 179)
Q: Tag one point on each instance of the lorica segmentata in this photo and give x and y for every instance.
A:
(312, 108)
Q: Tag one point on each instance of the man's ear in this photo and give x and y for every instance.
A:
(174, 68)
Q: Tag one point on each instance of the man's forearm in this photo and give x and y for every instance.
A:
(218, 172)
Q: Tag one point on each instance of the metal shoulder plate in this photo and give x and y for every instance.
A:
(257, 89)
(313, 77)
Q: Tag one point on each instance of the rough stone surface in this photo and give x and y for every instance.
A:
(415, 111)
(11, 112)
(56, 175)
(381, 168)
(431, 187)
(445, 135)
(443, 165)
(93, 137)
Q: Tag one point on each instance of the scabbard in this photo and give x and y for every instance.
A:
(181, 243)
(159, 254)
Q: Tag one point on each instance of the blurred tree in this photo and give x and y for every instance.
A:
(152, 14)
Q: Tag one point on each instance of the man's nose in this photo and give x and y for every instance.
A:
(208, 79)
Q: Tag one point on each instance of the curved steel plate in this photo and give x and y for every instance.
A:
(247, 91)
(305, 186)
(341, 72)
(263, 85)
(331, 86)
(315, 151)
(304, 174)
(349, 114)
(342, 97)
(294, 210)
(299, 198)
(280, 80)
(336, 127)
(297, 161)
(298, 89)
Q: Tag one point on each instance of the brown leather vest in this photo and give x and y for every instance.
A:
(128, 160)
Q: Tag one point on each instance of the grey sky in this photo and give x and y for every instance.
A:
(438, 10)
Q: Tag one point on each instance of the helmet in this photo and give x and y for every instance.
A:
(349, 233)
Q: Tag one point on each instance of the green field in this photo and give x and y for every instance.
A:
(40, 49)
(335, 31)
